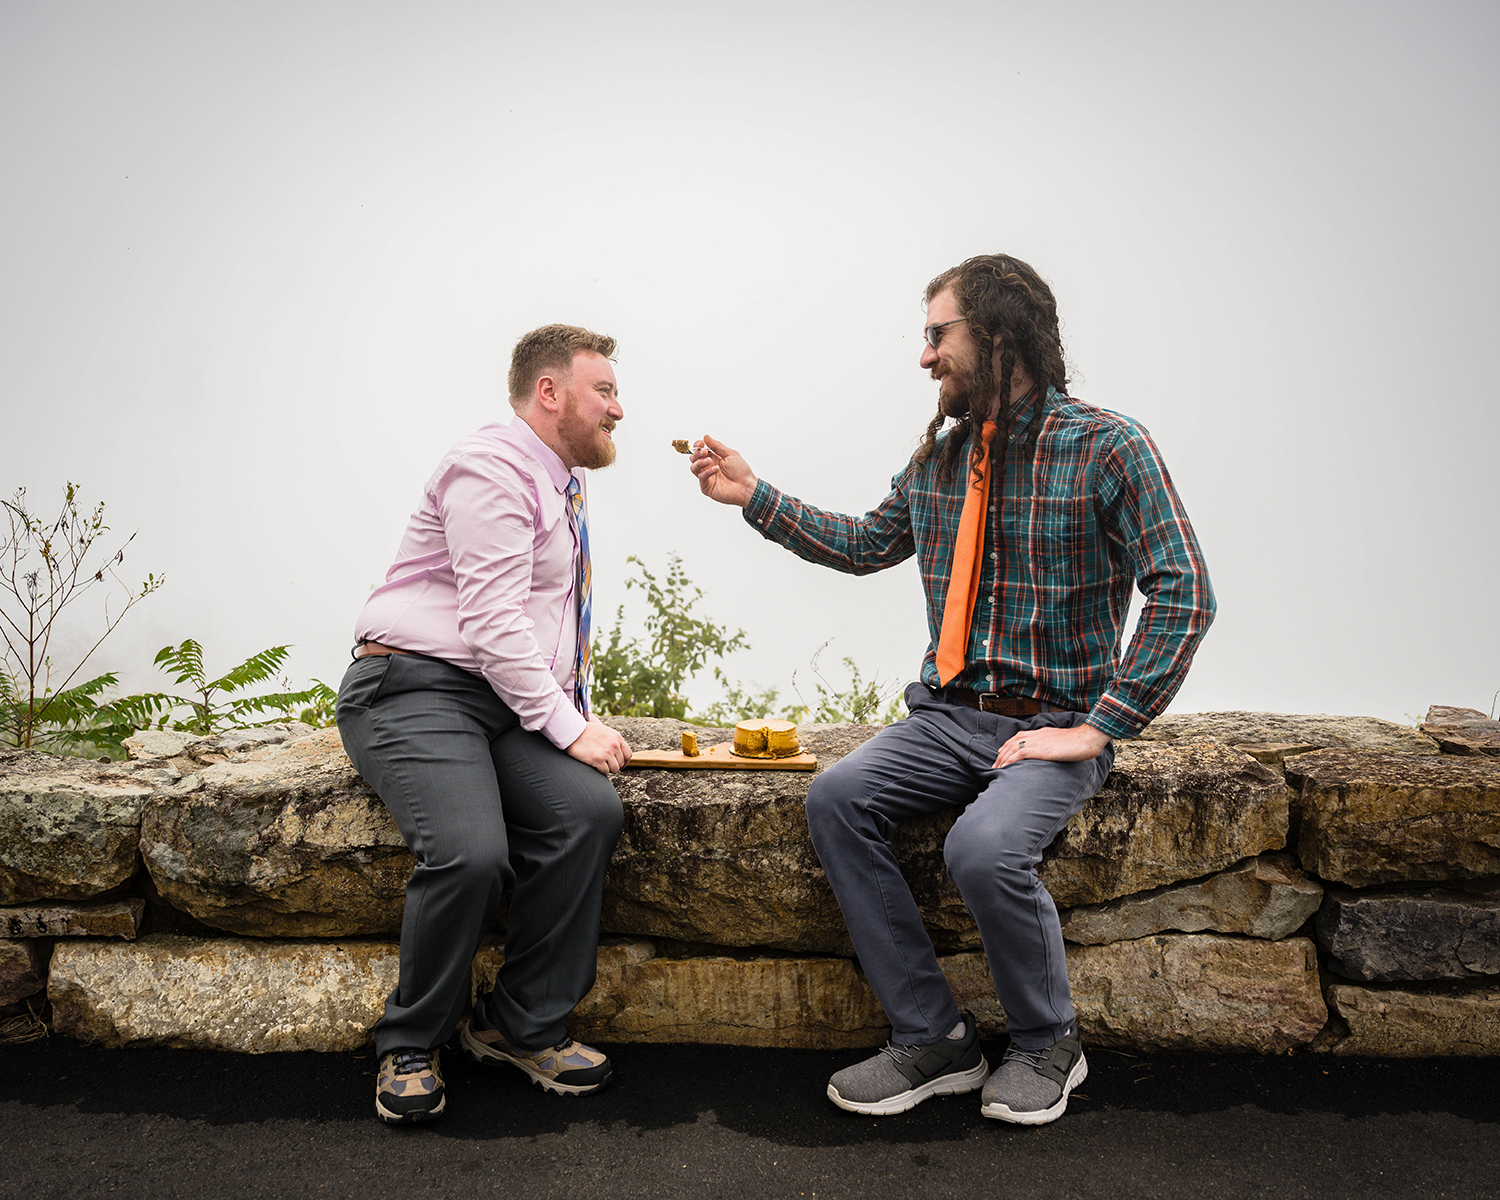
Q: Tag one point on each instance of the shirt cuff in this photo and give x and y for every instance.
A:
(565, 725)
(764, 502)
(1112, 718)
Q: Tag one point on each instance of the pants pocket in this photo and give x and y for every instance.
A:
(365, 681)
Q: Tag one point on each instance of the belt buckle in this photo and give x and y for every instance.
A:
(989, 701)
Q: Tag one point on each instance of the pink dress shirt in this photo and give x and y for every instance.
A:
(485, 576)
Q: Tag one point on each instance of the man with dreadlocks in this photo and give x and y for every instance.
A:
(1031, 514)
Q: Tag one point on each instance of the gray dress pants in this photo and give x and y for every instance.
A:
(941, 756)
(484, 806)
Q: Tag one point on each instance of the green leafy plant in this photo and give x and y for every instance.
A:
(635, 680)
(320, 709)
(217, 704)
(45, 567)
(632, 679)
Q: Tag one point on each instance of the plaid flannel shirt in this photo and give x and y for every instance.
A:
(1060, 555)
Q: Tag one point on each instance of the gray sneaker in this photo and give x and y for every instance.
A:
(1031, 1087)
(901, 1077)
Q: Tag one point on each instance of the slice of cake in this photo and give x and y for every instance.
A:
(761, 738)
(689, 744)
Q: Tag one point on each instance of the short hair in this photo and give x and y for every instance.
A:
(550, 348)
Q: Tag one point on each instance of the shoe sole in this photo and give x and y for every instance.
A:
(488, 1055)
(415, 1117)
(954, 1084)
(1041, 1116)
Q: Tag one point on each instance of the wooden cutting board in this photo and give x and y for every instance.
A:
(720, 756)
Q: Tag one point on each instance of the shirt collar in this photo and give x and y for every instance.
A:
(544, 454)
(1025, 413)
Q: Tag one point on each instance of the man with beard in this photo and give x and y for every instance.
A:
(467, 710)
(1030, 516)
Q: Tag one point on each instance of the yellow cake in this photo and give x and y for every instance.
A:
(766, 739)
(689, 744)
(682, 445)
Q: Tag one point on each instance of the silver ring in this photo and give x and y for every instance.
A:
(1023, 744)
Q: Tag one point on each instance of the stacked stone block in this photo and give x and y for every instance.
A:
(1245, 882)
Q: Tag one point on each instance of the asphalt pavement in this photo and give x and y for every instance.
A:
(726, 1121)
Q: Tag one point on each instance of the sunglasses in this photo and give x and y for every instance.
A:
(934, 334)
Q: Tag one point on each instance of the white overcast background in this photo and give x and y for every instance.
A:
(264, 262)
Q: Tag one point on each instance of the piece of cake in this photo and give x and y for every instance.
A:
(682, 445)
(765, 739)
(689, 744)
(781, 739)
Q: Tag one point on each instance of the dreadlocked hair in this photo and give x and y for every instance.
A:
(1001, 298)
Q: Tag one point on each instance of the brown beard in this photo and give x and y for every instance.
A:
(955, 393)
(583, 442)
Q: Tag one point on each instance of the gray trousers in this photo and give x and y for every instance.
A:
(941, 756)
(485, 806)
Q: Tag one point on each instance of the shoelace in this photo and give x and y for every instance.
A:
(409, 1062)
(1032, 1058)
(897, 1053)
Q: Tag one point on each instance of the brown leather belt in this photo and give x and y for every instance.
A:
(364, 649)
(1005, 706)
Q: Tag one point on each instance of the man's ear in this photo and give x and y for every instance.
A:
(548, 393)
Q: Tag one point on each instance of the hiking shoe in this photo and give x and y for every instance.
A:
(901, 1077)
(409, 1087)
(1031, 1087)
(567, 1069)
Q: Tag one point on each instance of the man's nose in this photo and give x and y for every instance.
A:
(929, 356)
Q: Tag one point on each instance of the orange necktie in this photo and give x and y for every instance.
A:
(963, 575)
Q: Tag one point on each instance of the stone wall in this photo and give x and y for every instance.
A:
(1246, 882)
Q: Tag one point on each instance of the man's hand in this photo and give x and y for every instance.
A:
(601, 747)
(1053, 745)
(722, 474)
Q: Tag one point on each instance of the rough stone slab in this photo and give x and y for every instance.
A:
(798, 1003)
(68, 826)
(1367, 818)
(1265, 897)
(221, 993)
(1319, 730)
(1275, 754)
(1177, 992)
(1168, 813)
(1386, 936)
(1198, 992)
(111, 918)
(22, 972)
(287, 842)
(1462, 730)
(1391, 1022)
(724, 857)
(187, 752)
(1186, 992)
(150, 745)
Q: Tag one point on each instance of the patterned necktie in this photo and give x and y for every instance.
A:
(963, 575)
(583, 662)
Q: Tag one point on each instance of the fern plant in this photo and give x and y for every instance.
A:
(217, 704)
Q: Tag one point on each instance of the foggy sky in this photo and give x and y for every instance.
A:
(263, 263)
